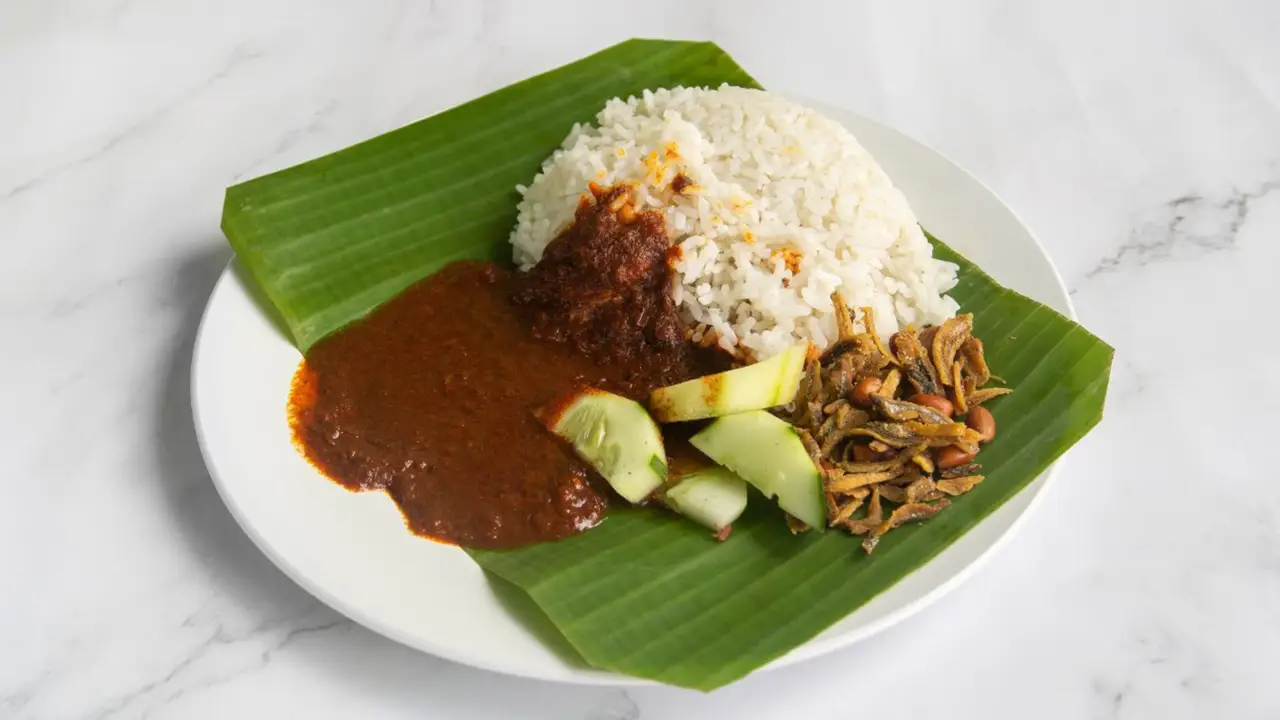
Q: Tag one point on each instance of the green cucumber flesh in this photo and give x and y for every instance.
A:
(615, 435)
(766, 452)
(712, 496)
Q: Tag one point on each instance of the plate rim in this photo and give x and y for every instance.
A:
(813, 648)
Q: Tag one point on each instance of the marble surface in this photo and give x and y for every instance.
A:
(1140, 140)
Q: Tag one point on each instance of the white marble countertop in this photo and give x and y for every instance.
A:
(1140, 140)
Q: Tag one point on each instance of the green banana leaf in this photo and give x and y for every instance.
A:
(333, 238)
(644, 594)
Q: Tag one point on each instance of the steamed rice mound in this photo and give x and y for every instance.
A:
(785, 207)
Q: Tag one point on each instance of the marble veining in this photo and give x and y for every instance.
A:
(1140, 140)
(1187, 227)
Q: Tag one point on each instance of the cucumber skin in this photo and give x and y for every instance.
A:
(766, 384)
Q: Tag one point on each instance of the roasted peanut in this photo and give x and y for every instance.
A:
(952, 456)
(937, 402)
(981, 421)
(861, 394)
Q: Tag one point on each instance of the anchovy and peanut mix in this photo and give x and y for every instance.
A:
(894, 430)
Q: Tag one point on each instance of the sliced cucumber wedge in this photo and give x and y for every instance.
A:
(766, 452)
(712, 496)
(615, 435)
(763, 385)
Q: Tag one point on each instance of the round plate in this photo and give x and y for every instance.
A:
(352, 550)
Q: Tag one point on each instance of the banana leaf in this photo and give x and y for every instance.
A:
(333, 238)
(644, 594)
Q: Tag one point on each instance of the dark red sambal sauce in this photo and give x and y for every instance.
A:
(433, 396)
(604, 284)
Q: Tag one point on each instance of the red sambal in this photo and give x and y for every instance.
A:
(432, 396)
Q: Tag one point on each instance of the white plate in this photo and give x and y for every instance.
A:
(352, 550)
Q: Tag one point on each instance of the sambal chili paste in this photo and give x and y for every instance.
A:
(432, 396)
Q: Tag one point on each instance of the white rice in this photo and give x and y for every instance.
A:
(770, 175)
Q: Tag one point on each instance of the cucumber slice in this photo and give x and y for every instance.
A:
(767, 453)
(712, 496)
(766, 384)
(615, 435)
